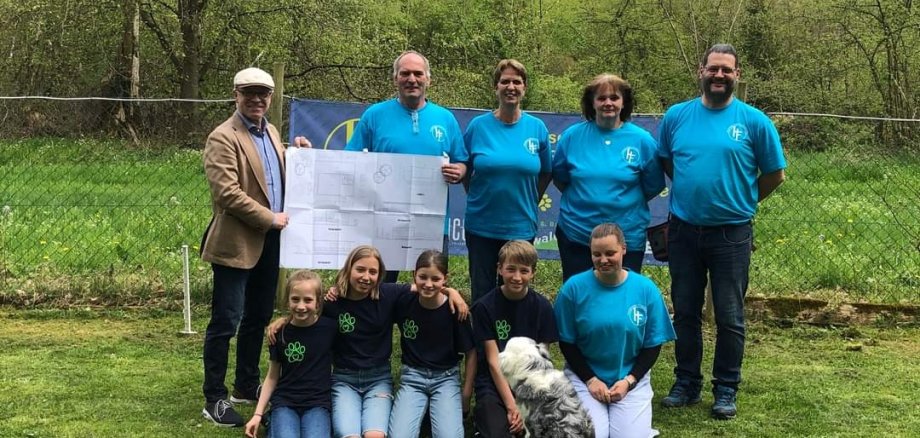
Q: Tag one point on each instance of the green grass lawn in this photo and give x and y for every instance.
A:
(85, 373)
(99, 222)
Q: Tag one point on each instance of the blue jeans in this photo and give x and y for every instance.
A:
(420, 386)
(361, 401)
(241, 304)
(287, 423)
(724, 253)
(576, 258)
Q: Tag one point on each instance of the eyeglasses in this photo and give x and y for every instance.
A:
(251, 93)
(715, 69)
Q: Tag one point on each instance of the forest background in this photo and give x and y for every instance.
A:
(98, 195)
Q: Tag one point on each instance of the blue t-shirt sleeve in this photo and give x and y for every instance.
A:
(361, 137)
(652, 177)
(457, 150)
(658, 328)
(767, 147)
(546, 151)
(560, 167)
(664, 136)
(564, 311)
(468, 143)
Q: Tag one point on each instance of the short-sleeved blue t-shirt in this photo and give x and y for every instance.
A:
(610, 324)
(506, 160)
(390, 127)
(365, 328)
(718, 154)
(608, 176)
(305, 356)
(496, 318)
(431, 338)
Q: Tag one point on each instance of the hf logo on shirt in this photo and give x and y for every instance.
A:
(630, 155)
(637, 314)
(439, 133)
(532, 145)
(737, 132)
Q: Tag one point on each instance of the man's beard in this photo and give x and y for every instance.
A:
(717, 97)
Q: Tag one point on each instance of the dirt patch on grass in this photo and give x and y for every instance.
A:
(822, 312)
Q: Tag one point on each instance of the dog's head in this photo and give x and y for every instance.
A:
(523, 356)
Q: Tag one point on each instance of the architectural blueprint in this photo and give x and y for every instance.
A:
(337, 200)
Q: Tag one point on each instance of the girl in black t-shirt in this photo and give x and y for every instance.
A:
(298, 384)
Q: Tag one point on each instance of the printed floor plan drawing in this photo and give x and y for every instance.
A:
(337, 200)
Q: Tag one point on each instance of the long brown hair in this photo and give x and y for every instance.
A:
(343, 279)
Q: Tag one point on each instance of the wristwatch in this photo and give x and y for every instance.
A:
(631, 381)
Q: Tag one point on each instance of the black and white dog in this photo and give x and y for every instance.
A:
(547, 401)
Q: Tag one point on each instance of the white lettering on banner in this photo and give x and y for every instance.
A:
(457, 230)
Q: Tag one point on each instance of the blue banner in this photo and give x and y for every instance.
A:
(329, 125)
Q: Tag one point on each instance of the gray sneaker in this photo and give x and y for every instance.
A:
(723, 406)
(683, 393)
(222, 414)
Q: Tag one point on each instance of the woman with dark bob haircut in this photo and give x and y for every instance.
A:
(607, 171)
(508, 171)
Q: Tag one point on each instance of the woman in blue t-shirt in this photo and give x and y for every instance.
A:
(508, 171)
(612, 323)
(607, 170)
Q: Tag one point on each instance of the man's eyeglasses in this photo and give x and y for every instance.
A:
(715, 69)
(252, 93)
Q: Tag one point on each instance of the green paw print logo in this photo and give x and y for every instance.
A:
(503, 329)
(545, 202)
(409, 329)
(295, 351)
(346, 323)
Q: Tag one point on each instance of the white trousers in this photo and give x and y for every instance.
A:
(630, 417)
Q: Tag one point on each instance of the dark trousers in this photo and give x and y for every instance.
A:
(491, 417)
(482, 255)
(241, 305)
(576, 258)
(721, 255)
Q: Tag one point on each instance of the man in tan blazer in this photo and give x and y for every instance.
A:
(244, 164)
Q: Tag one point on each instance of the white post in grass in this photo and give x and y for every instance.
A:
(187, 292)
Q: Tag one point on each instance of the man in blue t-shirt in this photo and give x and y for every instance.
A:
(723, 156)
(410, 124)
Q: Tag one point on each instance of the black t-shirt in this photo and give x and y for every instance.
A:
(431, 338)
(365, 328)
(498, 319)
(305, 355)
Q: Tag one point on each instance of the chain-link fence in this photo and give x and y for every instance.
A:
(96, 206)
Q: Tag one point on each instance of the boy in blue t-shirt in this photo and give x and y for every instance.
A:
(512, 309)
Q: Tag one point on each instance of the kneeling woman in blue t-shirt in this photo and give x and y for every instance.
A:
(612, 323)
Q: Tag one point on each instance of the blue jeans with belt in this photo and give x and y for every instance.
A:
(721, 255)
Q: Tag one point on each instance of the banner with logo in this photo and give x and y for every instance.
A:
(329, 125)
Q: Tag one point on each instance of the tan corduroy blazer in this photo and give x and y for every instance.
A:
(239, 195)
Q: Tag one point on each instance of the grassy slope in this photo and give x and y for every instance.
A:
(82, 373)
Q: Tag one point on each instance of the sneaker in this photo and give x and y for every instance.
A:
(245, 397)
(683, 393)
(723, 406)
(222, 414)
